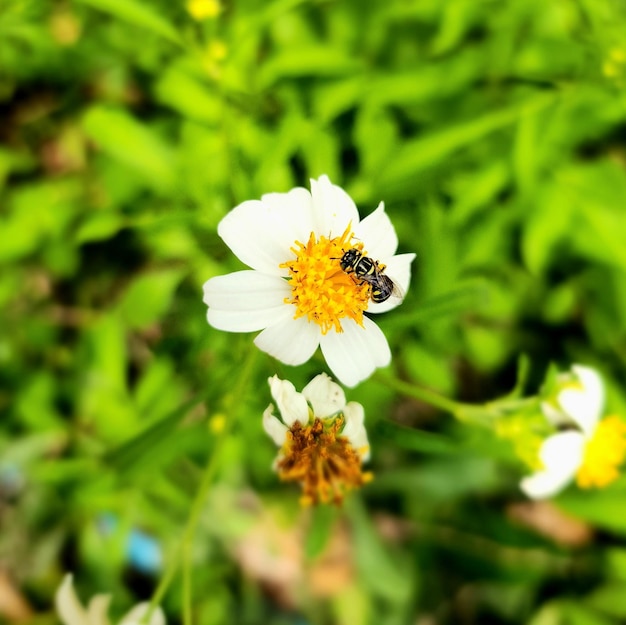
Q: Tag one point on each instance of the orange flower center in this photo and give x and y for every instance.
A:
(322, 461)
(321, 290)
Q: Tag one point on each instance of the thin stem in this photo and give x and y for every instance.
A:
(481, 414)
(207, 478)
(161, 589)
(423, 394)
(213, 464)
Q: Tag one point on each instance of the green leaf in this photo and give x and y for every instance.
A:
(189, 95)
(138, 13)
(383, 570)
(314, 60)
(566, 612)
(149, 296)
(338, 96)
(417, 440)
(321, 524)
(576, 614)
(523, 371)
(444, 478)
(129, 454)
(130, 141)
(426, 366)
(609, 599)
(374, 126)
(352, 606)
(424, 84)
(37, 212)
(487, 348)
(104, 398)
(477, 190)
(615, 558)
(99, 226)
(602, 508)
(418, 154)
(470, 295)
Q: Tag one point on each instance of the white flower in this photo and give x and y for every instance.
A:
(579, 399)
(592, 452)
(72, 612)
(322, 438)
(296, 292)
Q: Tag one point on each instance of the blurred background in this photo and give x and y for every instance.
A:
(495, 133)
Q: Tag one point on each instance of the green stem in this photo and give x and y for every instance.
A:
(184, 552)
(483, 415)
(423, 394)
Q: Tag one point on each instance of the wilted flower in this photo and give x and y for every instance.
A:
(297, 293)
(322, 438)
(590, 450)
(72, 612)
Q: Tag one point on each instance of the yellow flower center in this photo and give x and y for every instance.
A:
(604, 453)
(322, 461)
(321, 290)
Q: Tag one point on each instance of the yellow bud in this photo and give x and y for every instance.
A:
(203, 9)
(217, 423)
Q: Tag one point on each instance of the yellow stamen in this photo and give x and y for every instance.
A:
(322, 460)
(321, 290)
(604, 453)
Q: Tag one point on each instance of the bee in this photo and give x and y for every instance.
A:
(367, 270)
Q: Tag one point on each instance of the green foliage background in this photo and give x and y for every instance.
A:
(493, 130)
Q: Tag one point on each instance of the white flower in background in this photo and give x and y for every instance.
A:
(72, 612)
(322, 439)
(296, 292)
(592, 452)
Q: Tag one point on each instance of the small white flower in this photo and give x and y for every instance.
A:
(579, 399)
(72, 612)
(322, 438)
(592, 451)
(295, 292)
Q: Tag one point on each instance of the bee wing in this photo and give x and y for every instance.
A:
(396, 289)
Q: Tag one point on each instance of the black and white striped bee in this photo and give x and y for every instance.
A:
(367, 270)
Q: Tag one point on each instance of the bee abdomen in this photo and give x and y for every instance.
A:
(365, 267)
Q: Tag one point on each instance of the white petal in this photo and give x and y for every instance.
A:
(97, 610)
(261, 232)
(377, 234)
(584, 405)
(243, 320)
(274, 428)
(291, 404)
(246, 301)
(355, 417)
(354, 429)
(135, 616)
(291, 215)
(362, 445)
(326, 397)
(353, 354)
(69, 608)
(292, 341)
(333, 208)
(561, 455)
(245, 290)
(398, 268)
